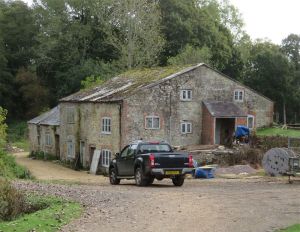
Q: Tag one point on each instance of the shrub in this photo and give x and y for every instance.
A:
(12, 202)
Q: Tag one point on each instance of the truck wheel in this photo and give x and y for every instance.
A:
(178, 180)
(113, 177)
(140, 180)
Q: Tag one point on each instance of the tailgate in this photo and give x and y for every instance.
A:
(171, 160)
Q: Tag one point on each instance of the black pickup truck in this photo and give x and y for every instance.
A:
(145, 161)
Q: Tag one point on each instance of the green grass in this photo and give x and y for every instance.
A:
(52, 218)
(278, 132)
(294, 228)
(10, 169)
(17, 135)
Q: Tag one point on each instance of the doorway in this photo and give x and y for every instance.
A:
(92, 149)
(82, 153)
(224, 130)
(57, 153)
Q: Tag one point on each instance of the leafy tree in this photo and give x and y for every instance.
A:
(191, 55)
(269, 72)
(291, 47)
(137, 37)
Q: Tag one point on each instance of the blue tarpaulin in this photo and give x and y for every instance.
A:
(242, 131)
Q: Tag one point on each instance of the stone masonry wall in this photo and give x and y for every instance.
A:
(163, 100)
(87, 128)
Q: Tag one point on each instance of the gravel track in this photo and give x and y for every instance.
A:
(200, 205)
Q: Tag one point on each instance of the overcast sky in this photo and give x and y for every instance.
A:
(273, 19)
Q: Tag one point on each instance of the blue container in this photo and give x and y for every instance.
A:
(204, 173)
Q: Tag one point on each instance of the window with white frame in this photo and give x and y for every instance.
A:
(152, 122)
(186, 94)
(48, 140)
(238, 95)
(250, 121)
(186, 127)
(70, 147)
(70, 115)
(106, 157)
(106, 125)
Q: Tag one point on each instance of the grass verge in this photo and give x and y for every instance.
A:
(278, 132)
(294, 228)
(10, 169)
(58, 212)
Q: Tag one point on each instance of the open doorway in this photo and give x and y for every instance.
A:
(57, 153)
(92, 149)
(224, 130)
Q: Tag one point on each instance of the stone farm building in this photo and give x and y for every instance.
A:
(184, 106)
(44, 133)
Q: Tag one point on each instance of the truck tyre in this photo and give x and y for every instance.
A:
(139, 177)
(113, 177)
(178, 180)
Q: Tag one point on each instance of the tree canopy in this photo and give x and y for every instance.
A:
(56, 47)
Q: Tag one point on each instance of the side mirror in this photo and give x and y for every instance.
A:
(117, 154)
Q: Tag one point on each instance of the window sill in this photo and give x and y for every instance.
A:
(105, 133)
(186, 100)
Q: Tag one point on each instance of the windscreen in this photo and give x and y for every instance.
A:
(152, 148)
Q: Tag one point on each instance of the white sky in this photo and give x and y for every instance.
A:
(272, 19)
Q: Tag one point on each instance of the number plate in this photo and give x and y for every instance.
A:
(172, 172)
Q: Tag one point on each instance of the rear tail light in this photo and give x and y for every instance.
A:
(191, 164)
(152, 160)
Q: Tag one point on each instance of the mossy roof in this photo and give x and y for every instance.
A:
(128, 83)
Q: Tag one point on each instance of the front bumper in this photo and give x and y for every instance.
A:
(162, 171)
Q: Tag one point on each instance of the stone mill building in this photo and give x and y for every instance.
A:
(184, 106)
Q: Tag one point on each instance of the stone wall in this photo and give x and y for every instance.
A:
(163, 100)
(33, 137)
(86, 129)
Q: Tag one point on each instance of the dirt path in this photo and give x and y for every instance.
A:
(46, 170)
(239, 205)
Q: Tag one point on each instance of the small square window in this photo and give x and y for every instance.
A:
(186, 95)
(106, 125)
(152, 122)
(186, 127)
(239, 95)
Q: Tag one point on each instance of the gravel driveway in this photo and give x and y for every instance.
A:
(200, 205)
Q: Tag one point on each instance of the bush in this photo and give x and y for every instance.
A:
(10, 169)
(12, 202)
(42, 155)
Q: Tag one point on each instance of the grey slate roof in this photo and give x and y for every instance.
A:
(224, 109)
(126, 84)
(50, 118)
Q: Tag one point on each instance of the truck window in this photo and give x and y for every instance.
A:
(152, 148)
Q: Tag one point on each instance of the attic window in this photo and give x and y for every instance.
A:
(152, 122)
(238, 95)
(186, 95)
